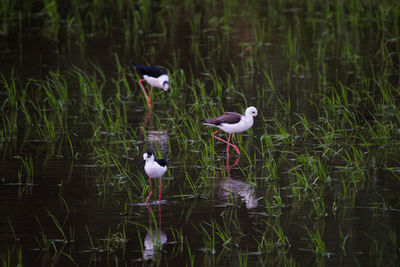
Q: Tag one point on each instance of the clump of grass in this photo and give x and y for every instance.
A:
(317, 241)
(208, 237)
(269, 243)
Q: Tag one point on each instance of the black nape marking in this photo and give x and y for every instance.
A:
(161, 162)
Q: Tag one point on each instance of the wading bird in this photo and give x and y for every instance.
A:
(153, 75)
(232, 122)
(154, 168)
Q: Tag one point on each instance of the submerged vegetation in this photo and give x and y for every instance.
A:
(319, 175)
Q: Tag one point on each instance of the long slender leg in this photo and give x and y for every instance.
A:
(145, 93)
(229, 144)
(217, 131)
(151, 192)
(159, 194)
(159, 215)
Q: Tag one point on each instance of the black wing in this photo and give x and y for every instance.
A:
(161, 162)
(151, 70)
(227, 117)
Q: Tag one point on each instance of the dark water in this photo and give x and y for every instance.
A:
(104, 225)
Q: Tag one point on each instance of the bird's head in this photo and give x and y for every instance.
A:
(165, 86)
(251, 111)
(148, 156)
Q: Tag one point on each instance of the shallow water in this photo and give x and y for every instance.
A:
(86, 210)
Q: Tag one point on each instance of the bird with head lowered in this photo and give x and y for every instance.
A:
(153, 75)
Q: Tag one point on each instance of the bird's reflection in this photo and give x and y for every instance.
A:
(155, 238)
(230, 187)
(155, 139)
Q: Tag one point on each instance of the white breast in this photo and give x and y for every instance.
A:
(153, 170)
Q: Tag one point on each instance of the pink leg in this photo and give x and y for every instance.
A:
(228, 143)
(151, 192)
(227, 146)
(159, 215)
(145, 93)
(159, 194)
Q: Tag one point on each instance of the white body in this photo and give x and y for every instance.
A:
(152, 168)
(245, 123)
(158, 82)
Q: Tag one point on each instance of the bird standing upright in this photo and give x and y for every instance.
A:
(154, 168)
(232, 122)
(153, 75)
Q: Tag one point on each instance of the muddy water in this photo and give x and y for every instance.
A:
(109, 228)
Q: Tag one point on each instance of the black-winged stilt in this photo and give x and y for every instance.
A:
(232, 122)
(153, 75)
(154, 168)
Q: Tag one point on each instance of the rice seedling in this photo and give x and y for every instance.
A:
(12, 98)
(267, 243)
(376, 252)
(273, 201)
(115, 241)
(343, 239)
(7, 8)
(319, 206)
(46, 128)
(51, 28)
(9, 127)
(208, 237)
(318, 243)
(395, 245)
(177, 235)
(195, 25)
(259, 32)
(60, 229)
(242, 258)
(191, 255)
(56, 97)
(7, 259)
(25, 172)
(93, 247)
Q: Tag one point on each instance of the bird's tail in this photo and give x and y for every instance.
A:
(208, 124)
(131, 62)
